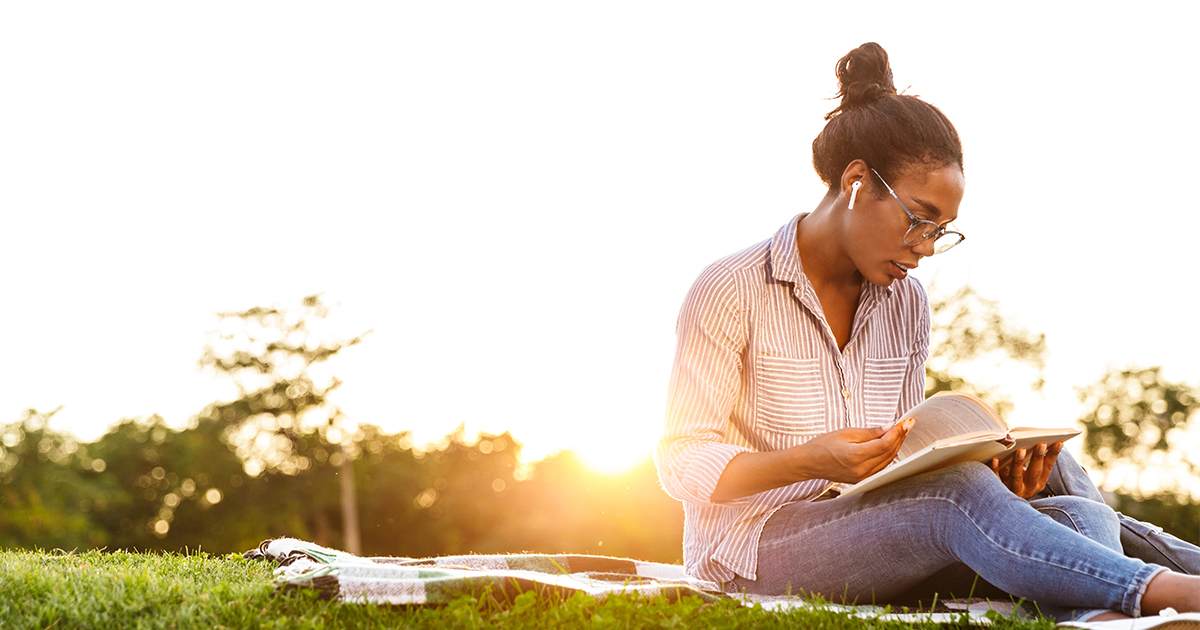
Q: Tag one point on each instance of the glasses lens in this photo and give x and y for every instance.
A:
(920, 232)
(946, 241)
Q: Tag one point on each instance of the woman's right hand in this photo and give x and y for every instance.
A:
(851, 455)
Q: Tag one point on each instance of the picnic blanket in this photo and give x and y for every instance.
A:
(391, 580)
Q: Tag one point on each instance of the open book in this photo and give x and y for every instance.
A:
(953, 427)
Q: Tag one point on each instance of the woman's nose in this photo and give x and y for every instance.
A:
(924, 248)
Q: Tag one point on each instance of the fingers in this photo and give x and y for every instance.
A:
(1038, 472)
(1029, 470)
(1055, 449)
(869, 455)
(885, 448)
(1016, 473)
(861, 436)
(891, 443)
(896, 433)
(1050, 455)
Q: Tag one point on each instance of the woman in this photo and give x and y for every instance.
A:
(797, 356)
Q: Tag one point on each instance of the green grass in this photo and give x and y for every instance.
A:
(133, 590)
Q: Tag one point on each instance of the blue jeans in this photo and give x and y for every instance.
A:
(869, 548)
(1138, 540)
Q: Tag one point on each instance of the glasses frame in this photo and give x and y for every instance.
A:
(938, 230)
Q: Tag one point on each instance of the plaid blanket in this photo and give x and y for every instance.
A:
(440, 580)
(388, 580)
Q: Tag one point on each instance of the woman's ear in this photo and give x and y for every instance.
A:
(853, 178)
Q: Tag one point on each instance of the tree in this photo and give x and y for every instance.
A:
(969, 331)
(565, 507)
(46, 499)
(270, 353)
(1138, 431)
(175, 489)
(1143, 444)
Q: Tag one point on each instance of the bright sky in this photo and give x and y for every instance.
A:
(516, 196)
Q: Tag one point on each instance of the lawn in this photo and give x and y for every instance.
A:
(135, 590)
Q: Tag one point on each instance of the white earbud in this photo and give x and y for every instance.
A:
(854, 192)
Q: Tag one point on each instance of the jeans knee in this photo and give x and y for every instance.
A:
(971, 474)
(969, 480)
(1090, 518)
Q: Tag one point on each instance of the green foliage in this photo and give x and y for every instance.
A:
(445, 500)
(185, 489)
(564, 507)
(45, 489)
(1138, 423)
(1178, 518)
(124, 590)
(970, 330)
(171, 489)
(1138, 428)
(270, 354)
(271, 463)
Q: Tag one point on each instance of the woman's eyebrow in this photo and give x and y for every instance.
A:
(930, 208)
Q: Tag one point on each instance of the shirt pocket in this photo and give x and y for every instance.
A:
(882, 381)
(790, 395)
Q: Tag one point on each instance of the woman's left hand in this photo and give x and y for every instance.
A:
(1026, 472)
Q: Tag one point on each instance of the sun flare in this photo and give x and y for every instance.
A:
(614, 454)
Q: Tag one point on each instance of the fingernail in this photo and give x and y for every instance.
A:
(1041, 450)
(1020, 453)
(908, 424)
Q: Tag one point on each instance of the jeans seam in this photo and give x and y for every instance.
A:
(1154, 544)
(1135, 586)
(967, 514)
(1131, 591)
(1135, 589)
(1074, 525)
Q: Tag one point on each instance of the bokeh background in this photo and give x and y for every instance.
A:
(514, 198)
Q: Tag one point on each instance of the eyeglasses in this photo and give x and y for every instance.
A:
(920, 230)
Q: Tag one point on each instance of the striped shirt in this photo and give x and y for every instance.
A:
(756, 369)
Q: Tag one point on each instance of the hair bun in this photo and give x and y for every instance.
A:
(864, 76)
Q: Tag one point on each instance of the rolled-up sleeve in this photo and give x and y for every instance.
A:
(695, 446)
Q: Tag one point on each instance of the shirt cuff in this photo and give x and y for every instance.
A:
(705, 468)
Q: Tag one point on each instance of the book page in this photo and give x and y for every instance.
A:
(1029, 437)
(978, 447)
(931, 458)
(945, 415)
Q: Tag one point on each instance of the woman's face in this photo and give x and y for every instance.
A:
(877, 227)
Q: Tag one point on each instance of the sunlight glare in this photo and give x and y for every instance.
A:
(615, 453)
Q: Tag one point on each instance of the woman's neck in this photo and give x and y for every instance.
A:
(820, 240)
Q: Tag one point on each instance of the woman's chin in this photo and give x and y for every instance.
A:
(881, 280)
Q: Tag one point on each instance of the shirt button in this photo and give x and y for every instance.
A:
(846, 394)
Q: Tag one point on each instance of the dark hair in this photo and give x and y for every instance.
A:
(891, 132)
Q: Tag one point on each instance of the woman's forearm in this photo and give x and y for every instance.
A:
(751, 473)
(847, 455)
